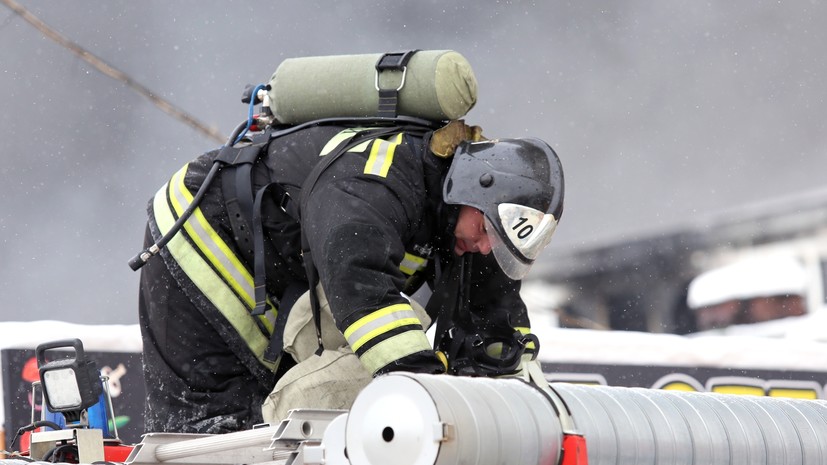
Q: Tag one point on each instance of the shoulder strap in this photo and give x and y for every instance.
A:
(244, 214)
(237, 188)
(294, 290)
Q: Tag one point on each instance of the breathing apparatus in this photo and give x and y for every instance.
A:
(420, 88)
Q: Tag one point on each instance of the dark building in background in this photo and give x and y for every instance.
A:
(642, 284)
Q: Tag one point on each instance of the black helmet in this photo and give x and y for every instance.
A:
(518, 185)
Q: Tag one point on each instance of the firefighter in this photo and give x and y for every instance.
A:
(390, 213)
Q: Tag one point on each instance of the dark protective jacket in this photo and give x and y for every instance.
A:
(377, 228)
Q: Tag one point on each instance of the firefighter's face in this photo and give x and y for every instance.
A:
(470, 232)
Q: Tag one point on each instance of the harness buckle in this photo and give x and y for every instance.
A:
(393, 61)
(285, 202)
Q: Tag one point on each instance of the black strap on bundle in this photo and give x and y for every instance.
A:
(389, 98)
(463, 342)
(259, 268)
(274, 349)
(449, 303)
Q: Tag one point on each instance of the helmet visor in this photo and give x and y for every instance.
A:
(524, 232)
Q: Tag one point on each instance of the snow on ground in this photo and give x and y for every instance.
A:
(719, 351)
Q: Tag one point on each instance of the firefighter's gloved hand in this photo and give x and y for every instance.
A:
(445, 140)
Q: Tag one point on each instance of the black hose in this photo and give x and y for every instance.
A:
(32, 427)
(140, 260)
(57, 454)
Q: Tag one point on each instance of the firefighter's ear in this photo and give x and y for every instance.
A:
(444, 140)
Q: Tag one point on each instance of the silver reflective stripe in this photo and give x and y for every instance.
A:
(381, 156)
(208, 282)
(380, 322)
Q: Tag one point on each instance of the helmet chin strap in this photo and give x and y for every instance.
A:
(449, 216)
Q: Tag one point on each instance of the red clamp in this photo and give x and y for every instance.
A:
(574, 450)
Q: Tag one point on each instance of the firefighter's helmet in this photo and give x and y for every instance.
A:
(518, 185)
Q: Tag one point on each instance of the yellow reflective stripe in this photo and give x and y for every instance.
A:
(214, 288)
(379, 322)
(524, 330)
(209, 242)
(381, 156)
(394, 348)
(412, 263)
(342, 136)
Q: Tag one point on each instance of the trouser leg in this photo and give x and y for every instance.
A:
(194, 381)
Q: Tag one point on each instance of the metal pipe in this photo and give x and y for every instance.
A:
(214, 444)
(404, 418)
(648, 426)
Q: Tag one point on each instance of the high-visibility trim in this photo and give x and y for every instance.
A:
(380, 322)
(523, 330)
(215, 249)
(342, 136)
(213, 286)
(210, 243)
(412, 263)
(381, 156)
(394, 348)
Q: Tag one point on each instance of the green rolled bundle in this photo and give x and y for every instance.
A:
(439, 85)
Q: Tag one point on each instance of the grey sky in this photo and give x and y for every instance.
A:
(660, 111)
